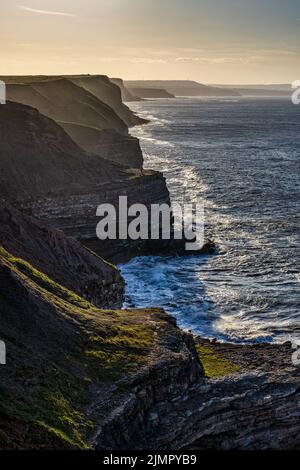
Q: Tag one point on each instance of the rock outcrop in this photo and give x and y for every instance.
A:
(62, 259)
(255, 405)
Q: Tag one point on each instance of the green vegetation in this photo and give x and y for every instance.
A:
(126, 348)
(51, 387)
(46, 283)
(214, 364)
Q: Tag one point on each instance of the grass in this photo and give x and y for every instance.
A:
(214, 364)
(48, 284)
(52, 390)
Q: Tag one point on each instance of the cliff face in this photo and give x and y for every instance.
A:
(126, 94)
(39, 158)
(99, 127)
(249, 400)
(80, 377)
(62, 259)
(61, 184)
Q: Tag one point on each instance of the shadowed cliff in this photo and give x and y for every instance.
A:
(64, 260)
(60, 183)
(95, 125)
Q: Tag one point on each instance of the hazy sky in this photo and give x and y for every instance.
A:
(211, 41)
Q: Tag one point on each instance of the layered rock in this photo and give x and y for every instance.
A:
(255, 405)
(99, 127)
(59, 183)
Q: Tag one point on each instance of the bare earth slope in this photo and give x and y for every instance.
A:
(38, 157)
(91, 123)
(78, 376)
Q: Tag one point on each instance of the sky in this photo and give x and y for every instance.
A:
(210, 41)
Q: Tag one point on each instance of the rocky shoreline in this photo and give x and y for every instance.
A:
(81, 373)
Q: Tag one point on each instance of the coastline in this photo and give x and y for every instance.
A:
(101, 377)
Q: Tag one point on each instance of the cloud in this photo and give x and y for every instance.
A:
(44, 12)
(134, 60)
(211, 60)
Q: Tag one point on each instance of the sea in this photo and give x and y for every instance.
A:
(241, 158)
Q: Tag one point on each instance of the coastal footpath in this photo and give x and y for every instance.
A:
(81, 372)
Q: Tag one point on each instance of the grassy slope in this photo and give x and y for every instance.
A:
(50, 389)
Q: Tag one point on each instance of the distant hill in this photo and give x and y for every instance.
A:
(181, 87)
(261, 90)
(150, 93)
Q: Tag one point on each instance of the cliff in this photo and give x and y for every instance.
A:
(126, 94)
(72, 368)
(63, 259)
(110, 93)
(150, 93)
(81, 377)
(61, 184)
(182, 87)
(93, 124)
